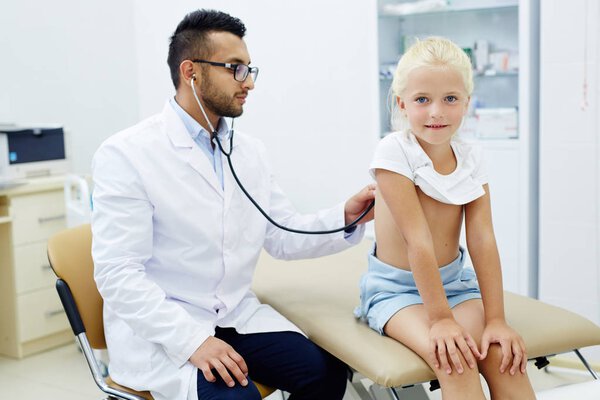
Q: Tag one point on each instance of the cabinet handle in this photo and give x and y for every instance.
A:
(53, 313)
(53, 218)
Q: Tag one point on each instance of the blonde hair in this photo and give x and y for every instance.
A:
(430, 52)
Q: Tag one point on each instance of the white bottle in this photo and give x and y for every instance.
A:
(481, 51)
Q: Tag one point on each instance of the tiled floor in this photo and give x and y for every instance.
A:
(57, 374)
(62, 374)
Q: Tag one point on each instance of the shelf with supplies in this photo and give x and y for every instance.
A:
(433, 7)
(490, 39)
(386, 73)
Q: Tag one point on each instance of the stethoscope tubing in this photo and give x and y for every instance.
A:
(259, 208)
(241, 186)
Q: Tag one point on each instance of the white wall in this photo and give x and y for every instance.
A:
(320, 123)
(69, 62)
(99, 66)
(569, 156)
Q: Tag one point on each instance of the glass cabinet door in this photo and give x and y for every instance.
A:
(488, 31)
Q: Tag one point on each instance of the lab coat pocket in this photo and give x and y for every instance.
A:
(254, 224)
(129, 352)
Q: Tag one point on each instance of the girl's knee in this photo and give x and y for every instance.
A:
(468, 375)
(494, 358)
(504, 385)
(467, 383)
(461, 386)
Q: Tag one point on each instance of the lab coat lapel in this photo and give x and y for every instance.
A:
(188, 149)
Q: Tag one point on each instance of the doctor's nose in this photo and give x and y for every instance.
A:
(248, 83)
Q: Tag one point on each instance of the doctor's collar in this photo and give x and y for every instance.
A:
(223, 131)
(195, 129)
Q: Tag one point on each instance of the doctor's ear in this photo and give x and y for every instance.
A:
(187, 73)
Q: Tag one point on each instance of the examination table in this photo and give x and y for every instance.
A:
(319, 296)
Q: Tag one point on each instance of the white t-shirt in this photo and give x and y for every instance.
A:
(400, 152)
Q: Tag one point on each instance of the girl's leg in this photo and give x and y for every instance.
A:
(470, 315)
(410, 326)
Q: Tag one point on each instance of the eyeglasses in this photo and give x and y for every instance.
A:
(240, 71)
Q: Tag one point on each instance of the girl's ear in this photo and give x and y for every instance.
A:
(467, 105)
(401, 104)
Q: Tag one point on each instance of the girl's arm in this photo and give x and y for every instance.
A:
(481, 243)
(446, 336)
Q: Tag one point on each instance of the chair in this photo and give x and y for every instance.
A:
(70, 256)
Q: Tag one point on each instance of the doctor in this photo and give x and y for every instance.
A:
(176, 242)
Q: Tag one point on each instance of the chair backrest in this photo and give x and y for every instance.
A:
(70, 255)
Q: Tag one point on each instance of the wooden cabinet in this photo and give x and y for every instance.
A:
(31, 316)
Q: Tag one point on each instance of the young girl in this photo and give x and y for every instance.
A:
(417, 289)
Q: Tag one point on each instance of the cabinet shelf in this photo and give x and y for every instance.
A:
(493, 73)
(476, 75)
(403, 10)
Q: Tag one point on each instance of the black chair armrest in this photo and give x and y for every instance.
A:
(66, 298)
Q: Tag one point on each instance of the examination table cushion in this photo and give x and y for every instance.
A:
(319, 295)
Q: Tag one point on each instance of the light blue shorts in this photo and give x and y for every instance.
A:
(385, 289)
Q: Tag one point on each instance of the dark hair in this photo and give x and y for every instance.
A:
(190, 39)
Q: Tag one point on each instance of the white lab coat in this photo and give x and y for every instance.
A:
(174, 253)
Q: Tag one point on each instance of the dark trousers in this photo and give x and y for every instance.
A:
(282, 360)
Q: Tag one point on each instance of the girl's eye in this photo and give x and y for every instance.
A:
(451, 99)
(421, 100)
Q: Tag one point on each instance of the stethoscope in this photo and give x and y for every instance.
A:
(237, 180)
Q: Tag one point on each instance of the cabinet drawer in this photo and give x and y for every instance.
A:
(40, 313)
(36, 217)
(32, 269)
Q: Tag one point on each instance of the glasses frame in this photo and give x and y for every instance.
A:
(253, 71)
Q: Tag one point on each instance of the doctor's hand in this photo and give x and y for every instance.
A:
(216, 354)
(358, 203)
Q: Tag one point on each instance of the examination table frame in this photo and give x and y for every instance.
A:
(319, 296)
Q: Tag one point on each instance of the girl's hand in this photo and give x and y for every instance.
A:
(511, 343)
(447, 338)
